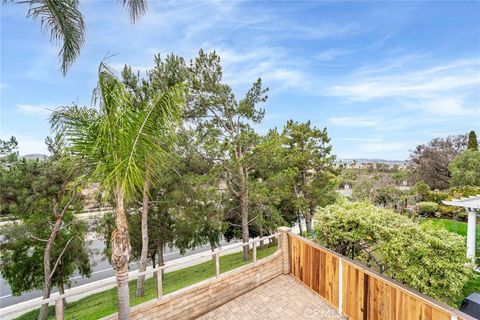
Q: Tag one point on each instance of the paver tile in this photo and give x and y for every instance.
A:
(282, 298)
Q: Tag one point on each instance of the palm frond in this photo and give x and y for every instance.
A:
(64, 21)
(120, 138)
(136, 8)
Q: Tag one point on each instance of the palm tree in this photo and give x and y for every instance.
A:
(116, 143)
(63, 20)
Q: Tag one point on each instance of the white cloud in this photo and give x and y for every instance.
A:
(437, 82)
(242, 68)
(331, 54)
(35, 109)
(353, 122)
(446, 106)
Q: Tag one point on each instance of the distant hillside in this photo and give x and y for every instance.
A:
(364, 161)
(35, 156)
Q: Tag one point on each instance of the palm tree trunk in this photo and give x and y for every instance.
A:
(120, 244)
(144, 254)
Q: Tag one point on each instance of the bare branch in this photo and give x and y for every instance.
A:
(60, 257)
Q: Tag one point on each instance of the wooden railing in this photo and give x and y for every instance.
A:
(110, 283)
(358, 292)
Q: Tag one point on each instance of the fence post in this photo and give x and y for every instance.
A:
(254, 244)
(59, 309)
(283, 245)
(159, 284)
(217, 264)
(340, 285)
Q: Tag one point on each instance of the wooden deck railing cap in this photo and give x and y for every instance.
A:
(284, 229)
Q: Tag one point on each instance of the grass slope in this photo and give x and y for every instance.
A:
(104, 303)
(473, 285)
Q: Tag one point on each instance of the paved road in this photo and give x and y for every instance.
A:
(101, 270)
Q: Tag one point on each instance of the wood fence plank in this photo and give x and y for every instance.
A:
(365, 295)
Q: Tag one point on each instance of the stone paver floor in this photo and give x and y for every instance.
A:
(280, 298)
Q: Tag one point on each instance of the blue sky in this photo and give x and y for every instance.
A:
(381, 76)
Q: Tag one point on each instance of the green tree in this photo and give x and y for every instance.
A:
(430, 260)
(64, 21)
(472, 141)
(270, 184)
(430, 162)
(43, 197)
(465, 169)
(422, 190)
(309, 153)
(226, 122)
(165, 75)
(114, 141)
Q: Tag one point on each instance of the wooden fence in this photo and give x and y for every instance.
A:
(358, 292)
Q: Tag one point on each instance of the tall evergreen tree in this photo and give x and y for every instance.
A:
(226, 122)
(309, 153)
(165, 75)
(472, 141)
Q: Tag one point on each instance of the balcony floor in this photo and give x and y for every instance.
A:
(280, 298)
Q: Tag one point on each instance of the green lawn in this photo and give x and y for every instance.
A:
(104, 303)
(455, 226)
(473, 285)
(461, 228)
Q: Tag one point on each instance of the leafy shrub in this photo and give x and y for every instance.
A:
(428, 259)
(427, 208)
(450, 212)
(458, 192)
(432, 260)
(465, 169)
(422, 190)
(437, 196)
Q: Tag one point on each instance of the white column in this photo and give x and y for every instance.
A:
(472, 221)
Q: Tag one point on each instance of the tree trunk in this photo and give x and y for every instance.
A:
(300, 224)
(308, 220)
(47, 256)
(120, 244)
(160, 252)
(244, 213)
(44, 309)
(212, 247)
(154, 259)
(260, 231)
(61, 290)
(144, 254)
(308, 225)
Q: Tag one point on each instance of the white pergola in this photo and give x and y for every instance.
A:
(472, 206)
